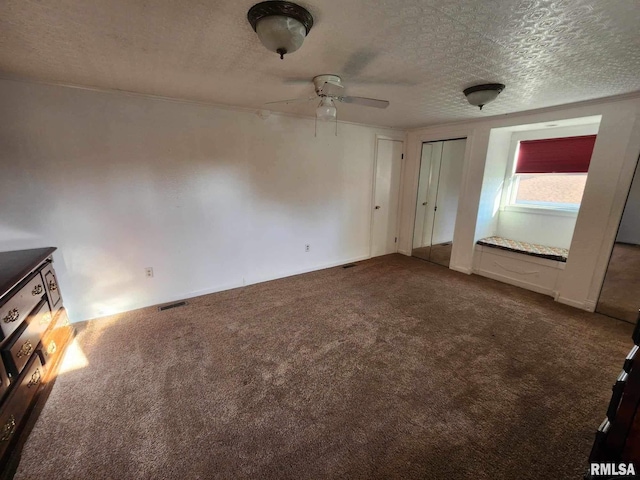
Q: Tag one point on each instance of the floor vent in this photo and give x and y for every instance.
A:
(172, 305)
(349, 265)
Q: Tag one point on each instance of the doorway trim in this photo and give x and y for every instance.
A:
(398, 138)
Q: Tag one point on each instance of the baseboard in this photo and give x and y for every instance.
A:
(582, 305)
(404, 252)
(323, 266)
(590, 305)
(206, 291)
(465, 270)
(158, 301)
(222, 288)
(518, 283)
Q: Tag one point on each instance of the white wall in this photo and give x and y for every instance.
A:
(493, 183)
(612, 164)
(210, 198)
(541, 228)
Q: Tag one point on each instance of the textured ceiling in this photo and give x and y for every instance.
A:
(418, 54)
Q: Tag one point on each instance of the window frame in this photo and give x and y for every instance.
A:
(509, 192)
(551, 207)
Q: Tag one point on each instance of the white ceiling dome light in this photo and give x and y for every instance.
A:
(480, 95)
(281, 26)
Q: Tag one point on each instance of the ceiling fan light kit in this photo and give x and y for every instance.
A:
(326, 87)
(281, 26)
(480, 95)
(326, 110)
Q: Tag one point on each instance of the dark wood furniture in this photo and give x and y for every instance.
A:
(618, 437)
(34, 332)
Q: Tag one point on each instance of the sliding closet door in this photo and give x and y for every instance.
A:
(423, 192)
(426, 199)
(437, 200)
(448, 191)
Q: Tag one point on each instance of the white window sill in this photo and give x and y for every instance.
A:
(558, 212)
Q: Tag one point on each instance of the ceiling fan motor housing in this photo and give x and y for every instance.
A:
(320, 81)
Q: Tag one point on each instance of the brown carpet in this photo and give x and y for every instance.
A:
(620, 295)
(395, 368)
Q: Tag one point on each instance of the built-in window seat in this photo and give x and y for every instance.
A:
(531, 266)
(533, 249)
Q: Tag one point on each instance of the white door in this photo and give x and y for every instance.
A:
(384, 231)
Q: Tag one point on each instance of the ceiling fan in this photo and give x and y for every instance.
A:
(327, 88)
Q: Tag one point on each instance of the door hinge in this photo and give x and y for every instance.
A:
(396, 240)
(402, 156)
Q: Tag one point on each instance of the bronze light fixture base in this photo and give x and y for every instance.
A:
(281, 26)
(480, 95)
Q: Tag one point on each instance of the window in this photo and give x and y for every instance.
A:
(551, 173)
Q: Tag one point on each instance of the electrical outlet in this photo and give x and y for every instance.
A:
(307, 247)
(148, 272)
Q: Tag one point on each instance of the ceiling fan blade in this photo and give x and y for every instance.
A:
(367, 102)
(292, 100)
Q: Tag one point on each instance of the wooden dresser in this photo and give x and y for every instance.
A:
(618, 437)
(34, 332)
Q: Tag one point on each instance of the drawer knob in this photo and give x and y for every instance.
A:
(37, 290)
(35, 379)
(25, 349)
(51, 349)
(45, 318)
(11, 316)
(52, 286)
(8, 429)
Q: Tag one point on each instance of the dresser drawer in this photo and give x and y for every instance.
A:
(16, 308)
(18, 402)
(51, 285)
(23, 344)
(4, 381)
(55, 339)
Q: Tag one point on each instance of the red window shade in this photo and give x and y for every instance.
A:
(556, 155)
